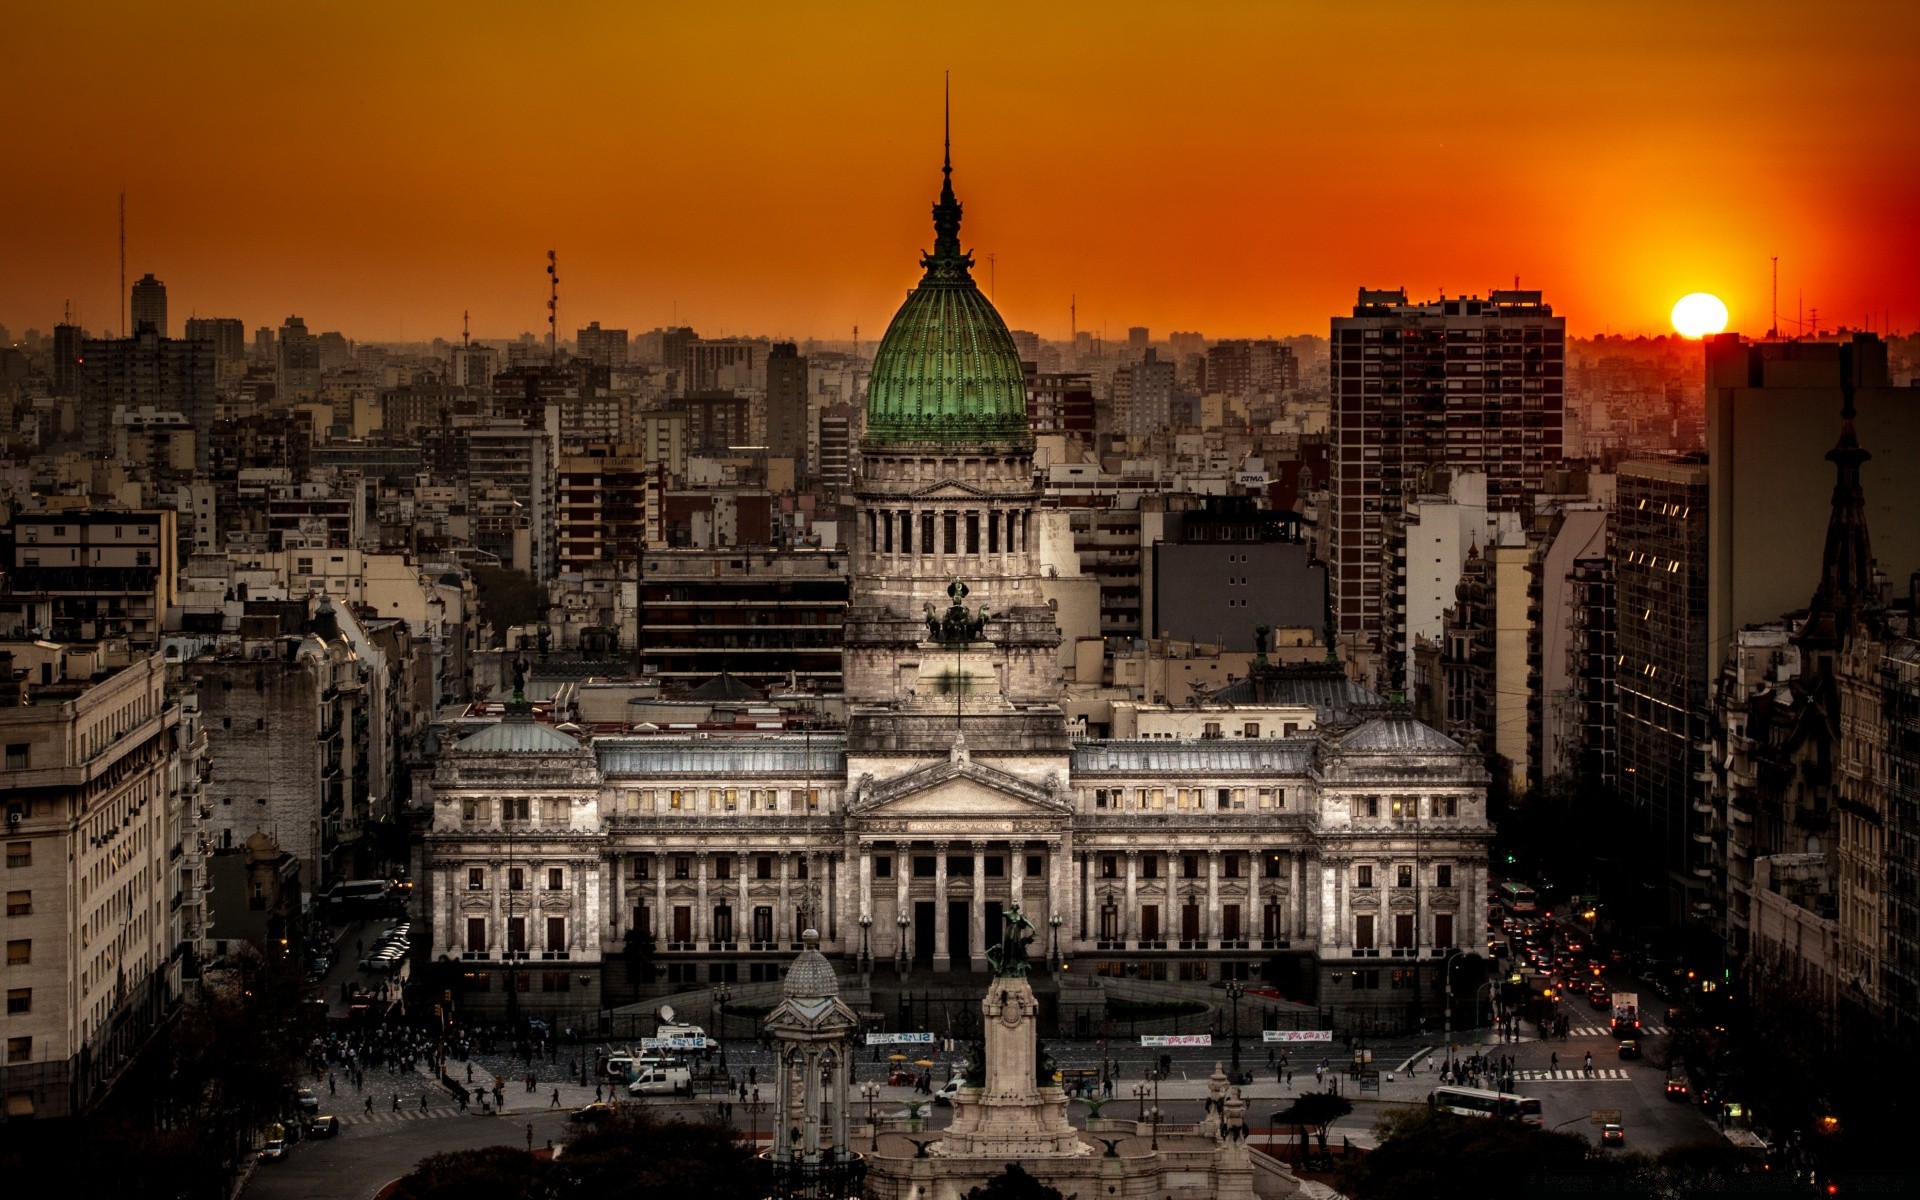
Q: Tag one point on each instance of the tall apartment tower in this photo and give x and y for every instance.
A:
(1478, 385)
(607, 347)
(148, 305)
(787, 404)
(298, 361)
(1659, 550)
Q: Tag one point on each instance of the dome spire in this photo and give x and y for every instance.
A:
(947, 262)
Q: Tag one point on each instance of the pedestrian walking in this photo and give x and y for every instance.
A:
(556, 1099)
(423, 1102)
(1554, 1058)
(331, 1089)
(396, 1102)
(369, 1105)
(469, 1072)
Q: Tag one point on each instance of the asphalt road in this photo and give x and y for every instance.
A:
(365, 1157)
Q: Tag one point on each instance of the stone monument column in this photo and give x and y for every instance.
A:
(1017, 872)
(1213, 897)
(1130, 916)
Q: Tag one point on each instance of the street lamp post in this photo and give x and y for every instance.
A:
(1234, 992)
(866, 953)
(870, 1091)
(1140, 1092)
(1446, 971)
(1054, 921)
(721, 994)
(1155, 1137)
(900, 946)
(754, 1107)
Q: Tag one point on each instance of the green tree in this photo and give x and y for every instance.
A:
(1315, 1111)
(1015, 1184)
(1437, 1156)
(635, 1156)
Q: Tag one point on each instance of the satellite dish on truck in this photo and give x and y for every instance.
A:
(666, 1013)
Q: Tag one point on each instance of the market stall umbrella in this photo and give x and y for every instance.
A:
(923, 1062)
(896, 1058)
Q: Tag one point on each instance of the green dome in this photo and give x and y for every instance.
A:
(947, 369)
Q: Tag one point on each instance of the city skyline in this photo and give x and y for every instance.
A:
(385, 193)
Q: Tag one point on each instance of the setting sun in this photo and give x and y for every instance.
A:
(1698, 314)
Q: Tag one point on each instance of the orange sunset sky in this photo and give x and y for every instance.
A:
(1238, 169)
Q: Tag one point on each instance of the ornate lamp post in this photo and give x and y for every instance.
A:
(900, 946)
(1140, 1092)
(1234, 992)
(1054, 921)
(754, 1106)
(866, 952)
(870, 1092)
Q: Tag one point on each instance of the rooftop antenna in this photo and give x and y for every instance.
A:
(123, 260)
(553, 309)
(1073, 318)
(856, 347)
(1775, 331)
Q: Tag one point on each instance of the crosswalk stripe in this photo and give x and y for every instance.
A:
(1565, 1074)
(388, 1116)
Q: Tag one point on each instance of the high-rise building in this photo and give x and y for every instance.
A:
(298, 362)
(787, 404)
(147, 305)
(68, 352)
(228, 335)
(607, 347)
(1767, 402)
(145, 371)
(1476, 385)
(1659, 549)
(1137, 340)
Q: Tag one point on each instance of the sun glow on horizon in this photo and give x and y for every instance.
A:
(1699, 314)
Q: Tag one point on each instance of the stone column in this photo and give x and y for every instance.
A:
(1252, 915)
(977, 916)
(743, 919)
(662, 927)
(783, 919)
(902, 904)
(1130, 915)
(830, 928)
(1086, 891)
(1213, 897)
(702, 916)
(1296, 896)
(1059, 894)
(866, 881)
(497, 928)
(941, 950)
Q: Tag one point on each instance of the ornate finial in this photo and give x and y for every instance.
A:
(947, 262)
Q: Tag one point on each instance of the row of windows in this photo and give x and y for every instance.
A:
(1403, 936)
(556, 929)
(1231, 866)
(1193, 799)
(517, 878)
(1403, 875)
(681, 866)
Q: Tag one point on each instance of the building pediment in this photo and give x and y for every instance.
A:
(957, 787)
(951, 489)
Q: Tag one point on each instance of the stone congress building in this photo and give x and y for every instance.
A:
(1340, 853)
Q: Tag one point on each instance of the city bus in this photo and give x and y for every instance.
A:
(1477, 1102)
(1519, 899)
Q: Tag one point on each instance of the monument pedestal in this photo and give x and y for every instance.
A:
(1012, 1116)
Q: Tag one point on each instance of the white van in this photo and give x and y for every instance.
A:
(660, 1079)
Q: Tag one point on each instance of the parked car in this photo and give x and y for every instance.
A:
(276, 1143)
(324, 1126)
(1612, 1135)
(592, 1114)
(945, 1093)
(307, 1100)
